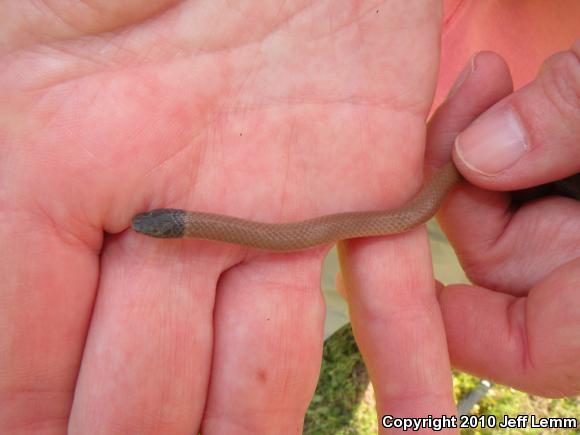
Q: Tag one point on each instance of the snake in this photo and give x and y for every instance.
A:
(301, 235)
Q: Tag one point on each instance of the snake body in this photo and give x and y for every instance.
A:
(295, 236)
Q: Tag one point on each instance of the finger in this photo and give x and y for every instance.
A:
(49, 277)
(488, 234)
(148, 354)
(395, 317)
(531, 343)
(484, 81)
(397, 324)
(531, 137)
(269, 319)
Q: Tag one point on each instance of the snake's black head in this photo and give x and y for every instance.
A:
(163, 222)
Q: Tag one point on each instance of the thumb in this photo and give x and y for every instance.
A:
(531, 137)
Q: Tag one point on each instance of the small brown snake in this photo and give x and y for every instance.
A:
(295, 236)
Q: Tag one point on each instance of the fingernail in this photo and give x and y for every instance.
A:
(467, 70)
(493, 143)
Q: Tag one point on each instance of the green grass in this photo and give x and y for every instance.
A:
(344, 403)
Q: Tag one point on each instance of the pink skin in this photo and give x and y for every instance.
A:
(276, 113)
(523, 329)
(521, 324)
(523, 32)
(279, 115)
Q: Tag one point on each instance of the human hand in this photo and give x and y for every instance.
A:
(519, 324)
(389, 284)
(393, 309)
(110, 108)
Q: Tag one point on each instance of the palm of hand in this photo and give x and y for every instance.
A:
(257, 113)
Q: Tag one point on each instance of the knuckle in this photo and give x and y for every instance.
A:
(560, 80)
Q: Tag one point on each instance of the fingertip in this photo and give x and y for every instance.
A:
(530, 137)
(485, 80)
(489, 67)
